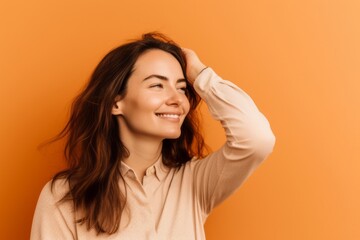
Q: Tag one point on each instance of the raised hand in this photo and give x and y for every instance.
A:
(194, 65)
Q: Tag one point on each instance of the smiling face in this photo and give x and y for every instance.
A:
(155, 104)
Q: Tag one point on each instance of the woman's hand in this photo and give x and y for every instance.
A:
(194, 65)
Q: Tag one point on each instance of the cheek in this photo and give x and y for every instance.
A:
(151, 103)
(144, 102)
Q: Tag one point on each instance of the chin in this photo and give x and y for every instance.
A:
(173, 136)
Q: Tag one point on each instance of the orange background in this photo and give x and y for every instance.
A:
(299, 60)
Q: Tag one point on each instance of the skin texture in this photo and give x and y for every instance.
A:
(154, 106)
(194, 65)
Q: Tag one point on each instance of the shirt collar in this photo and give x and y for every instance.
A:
(124, 168)
(158, 168)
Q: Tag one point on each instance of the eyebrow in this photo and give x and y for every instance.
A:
(163, 78)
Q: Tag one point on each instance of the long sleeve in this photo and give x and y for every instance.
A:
(249, 140)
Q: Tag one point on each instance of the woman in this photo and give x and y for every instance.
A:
(136, 163)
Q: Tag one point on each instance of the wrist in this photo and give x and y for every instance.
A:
(202, 70)
(199, 69)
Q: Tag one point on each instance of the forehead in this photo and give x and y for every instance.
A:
(158, 61)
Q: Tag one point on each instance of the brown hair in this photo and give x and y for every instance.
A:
(93, 146)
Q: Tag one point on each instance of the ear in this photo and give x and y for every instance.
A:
(117, 106)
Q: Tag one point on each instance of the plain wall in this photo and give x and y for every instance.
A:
(299, 60)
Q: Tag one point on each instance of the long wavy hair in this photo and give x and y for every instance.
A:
(93, 147)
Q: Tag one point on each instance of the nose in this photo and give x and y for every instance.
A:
(174, 97)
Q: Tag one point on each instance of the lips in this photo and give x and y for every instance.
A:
(169, 115)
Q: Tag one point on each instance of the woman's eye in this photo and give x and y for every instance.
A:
(183, 90)
(159, 85)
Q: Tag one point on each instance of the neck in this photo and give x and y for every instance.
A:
(144, 152)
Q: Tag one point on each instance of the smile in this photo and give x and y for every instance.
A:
(168, 115)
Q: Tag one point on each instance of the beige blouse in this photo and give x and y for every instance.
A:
(174, 204)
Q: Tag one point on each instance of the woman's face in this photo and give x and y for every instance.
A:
(155, 104)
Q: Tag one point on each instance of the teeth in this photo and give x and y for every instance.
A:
(167, 115)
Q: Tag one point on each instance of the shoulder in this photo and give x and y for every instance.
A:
(53, 218)
(53, 191)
